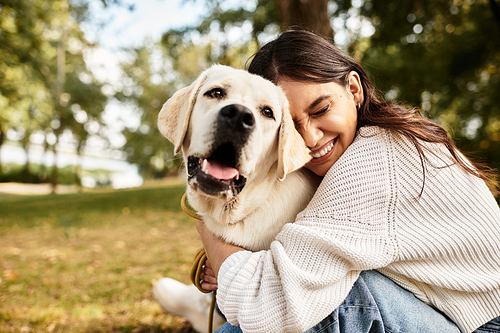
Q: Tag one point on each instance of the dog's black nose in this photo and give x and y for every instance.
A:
(237, 117)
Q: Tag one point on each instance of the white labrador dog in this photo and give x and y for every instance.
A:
(242, 153)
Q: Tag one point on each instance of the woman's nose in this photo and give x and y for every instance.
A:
(311, 135)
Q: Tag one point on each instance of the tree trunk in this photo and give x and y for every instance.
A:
(25, 172)
(55, 171)
(42, 173)
(311, 15)
(496, 11)
(59, 89)
(1, 143)
(78, 166)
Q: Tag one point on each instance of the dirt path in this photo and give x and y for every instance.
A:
(33, 189)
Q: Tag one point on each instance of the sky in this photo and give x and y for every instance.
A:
(125, 28)
(150, 18)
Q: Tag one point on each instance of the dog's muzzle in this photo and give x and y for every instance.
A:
(217, 173)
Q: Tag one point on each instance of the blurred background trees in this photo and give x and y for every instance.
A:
(46, 89)
(441, 56)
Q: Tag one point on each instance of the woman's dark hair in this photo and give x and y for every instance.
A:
(303, 56)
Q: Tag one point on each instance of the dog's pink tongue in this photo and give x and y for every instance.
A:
(221, 171)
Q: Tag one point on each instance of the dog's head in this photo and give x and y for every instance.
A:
(232, 127)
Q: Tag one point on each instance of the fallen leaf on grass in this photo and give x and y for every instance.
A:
(9, 274)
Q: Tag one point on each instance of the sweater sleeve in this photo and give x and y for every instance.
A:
(313, 263)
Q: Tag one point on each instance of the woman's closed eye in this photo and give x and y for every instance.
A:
(321, 111)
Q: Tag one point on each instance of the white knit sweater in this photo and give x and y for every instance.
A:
(443, 246)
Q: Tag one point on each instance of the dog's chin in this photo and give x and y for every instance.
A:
(200, 181)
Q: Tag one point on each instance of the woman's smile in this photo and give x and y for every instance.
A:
(324, 153)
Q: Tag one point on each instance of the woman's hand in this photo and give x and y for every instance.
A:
(208, 279)
(217, 251)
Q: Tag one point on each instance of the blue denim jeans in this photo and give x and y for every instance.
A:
(492, 326)
(376, 304)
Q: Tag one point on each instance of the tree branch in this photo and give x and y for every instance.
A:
(496, 11)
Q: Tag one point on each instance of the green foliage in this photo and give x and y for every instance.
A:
(147, 85)
(36, 173)
(262, 15)
(44, 80)
(443, 57)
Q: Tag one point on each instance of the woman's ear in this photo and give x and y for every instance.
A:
(355, 87)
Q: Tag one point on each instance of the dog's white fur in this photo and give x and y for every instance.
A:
(276, 188)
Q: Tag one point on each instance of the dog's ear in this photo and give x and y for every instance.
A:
(293, 152)
(173, 119)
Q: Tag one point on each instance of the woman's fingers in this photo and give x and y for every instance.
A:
(208, 278)
(208, 286)
(209, 281)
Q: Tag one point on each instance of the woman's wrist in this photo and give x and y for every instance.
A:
(216, 248)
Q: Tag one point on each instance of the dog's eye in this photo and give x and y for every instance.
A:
(267, 112)
(217, 93)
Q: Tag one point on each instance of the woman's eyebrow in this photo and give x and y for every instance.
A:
(317, 101)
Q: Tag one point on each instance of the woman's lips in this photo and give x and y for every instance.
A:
(322, 154)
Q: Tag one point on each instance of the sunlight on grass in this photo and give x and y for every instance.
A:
(85, 262)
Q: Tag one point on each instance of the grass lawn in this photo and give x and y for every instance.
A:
(85, 262)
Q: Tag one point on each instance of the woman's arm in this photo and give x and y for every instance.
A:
(217, 251)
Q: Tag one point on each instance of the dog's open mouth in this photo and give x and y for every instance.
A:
(217, 174)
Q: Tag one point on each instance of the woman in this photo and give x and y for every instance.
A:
(397, 196)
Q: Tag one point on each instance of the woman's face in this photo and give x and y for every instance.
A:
(325, 114)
